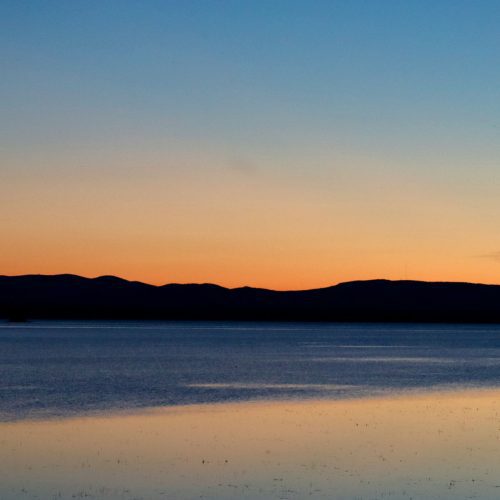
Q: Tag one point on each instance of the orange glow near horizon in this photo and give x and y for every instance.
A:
(234, 228)
(285, 147)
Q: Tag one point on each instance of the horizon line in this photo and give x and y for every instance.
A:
(111, 276)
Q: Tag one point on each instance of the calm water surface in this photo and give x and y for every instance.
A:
(68, 368)
(136, 411)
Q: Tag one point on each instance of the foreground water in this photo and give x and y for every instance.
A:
(64, 369)
(428, 446)
(257, 411)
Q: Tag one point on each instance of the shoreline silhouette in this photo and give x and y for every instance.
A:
(69, 296)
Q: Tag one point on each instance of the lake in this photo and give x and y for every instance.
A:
(180, 410)
(70, 368)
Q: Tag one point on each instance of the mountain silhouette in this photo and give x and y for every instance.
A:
(69, 296)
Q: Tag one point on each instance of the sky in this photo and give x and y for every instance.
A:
(279, 144)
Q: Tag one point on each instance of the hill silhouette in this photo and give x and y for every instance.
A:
(107, 297)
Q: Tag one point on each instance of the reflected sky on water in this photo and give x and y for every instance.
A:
(432, 445)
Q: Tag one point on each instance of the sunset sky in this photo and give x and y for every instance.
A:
(280, 144)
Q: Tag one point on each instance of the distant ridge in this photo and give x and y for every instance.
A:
(68, 296)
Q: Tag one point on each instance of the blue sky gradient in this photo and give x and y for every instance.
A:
(356, 98)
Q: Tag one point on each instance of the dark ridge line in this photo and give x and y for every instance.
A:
(71, 296)
(110, 277)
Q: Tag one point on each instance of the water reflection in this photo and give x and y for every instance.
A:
(307, 387)
(382, 359)
(436, 445)
(61, 368)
